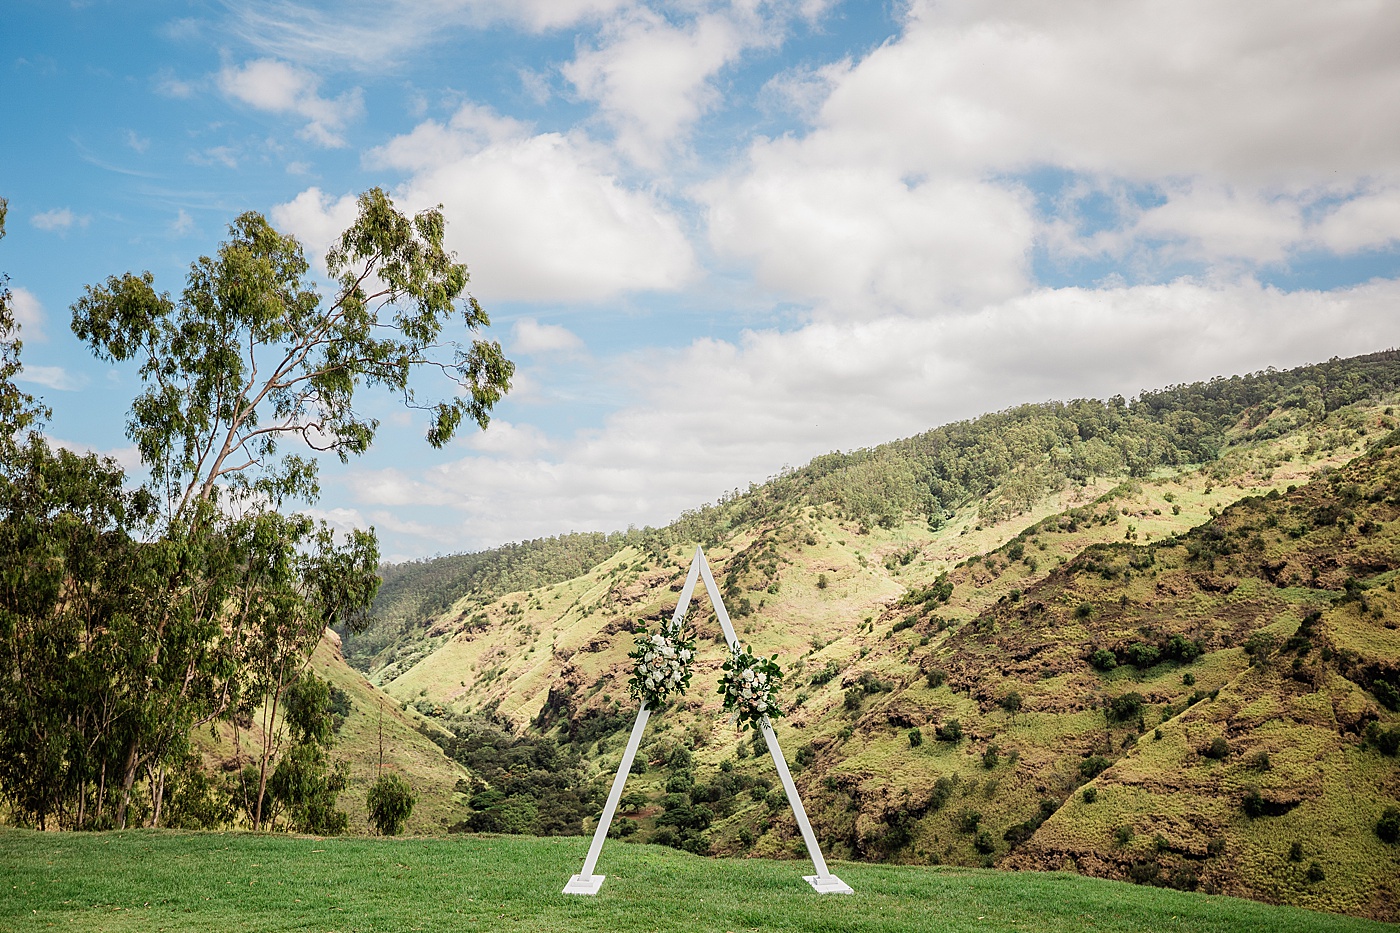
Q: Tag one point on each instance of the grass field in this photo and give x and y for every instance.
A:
(156, 881)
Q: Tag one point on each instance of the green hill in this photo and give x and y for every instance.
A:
(971, 574)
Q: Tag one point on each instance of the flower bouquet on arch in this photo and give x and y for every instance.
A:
(661, 664)
(750, 688)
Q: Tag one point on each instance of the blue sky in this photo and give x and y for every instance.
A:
(720, 238)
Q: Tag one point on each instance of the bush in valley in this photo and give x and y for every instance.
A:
(950, 731)
(1218, 749)
(967, 820)
(390, 803)
(942, 790)
(1388, 826)
(1103, 660)
(916, 737)
(826, 675)
(1387, 741)
(1125, 708)
(935, 679)
(1123, 835)
(525, 784)
(1093, 766)
(1011, 702)
(983, 842)
(1253, 803)
(991, 757)
(1090, 794)
(1315, 873)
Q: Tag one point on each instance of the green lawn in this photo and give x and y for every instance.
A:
(151, 881)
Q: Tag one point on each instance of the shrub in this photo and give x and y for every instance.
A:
(822, 581)
(935, 679)
(1102, 659)
(1387, 741)
(1387, 694)
(1218, 749)
(951, 731)
(1295, 852)
(1388, 826)
(983, 842)
(1084, 610)
(1093, 766)
(967, 820)
(1123, 835)
(855, 696)
(1011, 702)
(1259, 761)
(1315, 873)
(390, 802)
(1125, 708)
(991, 756)
(916, 737)
(942, 790)
(1142, 654)
(1253, 803)
(1216, 847)
(1090, 794)
(1189, 679)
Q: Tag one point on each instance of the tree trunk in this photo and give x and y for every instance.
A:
(101, 792)
(160, 798)
(127, 781)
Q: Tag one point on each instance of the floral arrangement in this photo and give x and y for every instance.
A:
(661, 664)
(749, 687)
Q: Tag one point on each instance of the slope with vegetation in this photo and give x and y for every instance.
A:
(940, 604)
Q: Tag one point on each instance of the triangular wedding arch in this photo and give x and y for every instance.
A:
(585, 882)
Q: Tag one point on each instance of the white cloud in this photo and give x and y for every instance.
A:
(316, 219)
(1260, 93)
(129, 458)
(1371, 220)
(52, 377)
(651, 78)
(860, 241)
(536, 217)
(281, 88)
(718, 415)
(29, 313)
(182, 224)
(59, 220)
(375, 34)
(138, 143)
(530, 336)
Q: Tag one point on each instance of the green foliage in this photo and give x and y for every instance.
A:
(1090, 794)
(935, 678)
(1125, 708)
(991, 757)
(390, 803)
(950, 731)
(1093, 766)
(1123, 835)
(1388, 826)
(749, 687)
(249, 356)
(527, 784)
(1102, 659)
(916, 737)
(1218, 749)
(1011, 702)
(304, 786)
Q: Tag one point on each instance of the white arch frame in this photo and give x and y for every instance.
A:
(585, 882)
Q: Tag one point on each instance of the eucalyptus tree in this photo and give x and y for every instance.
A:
(247, 376)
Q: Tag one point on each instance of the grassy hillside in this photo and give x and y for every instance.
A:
(150, 881)
(981, 599)
(407, 750)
